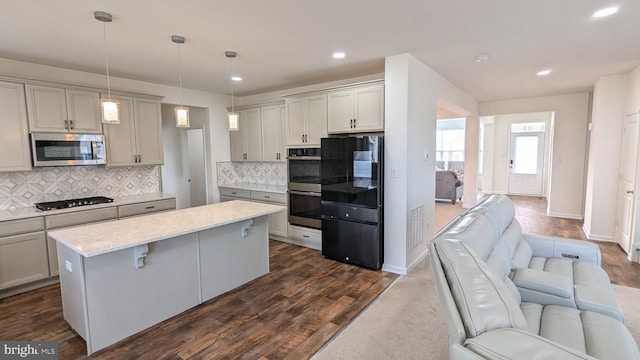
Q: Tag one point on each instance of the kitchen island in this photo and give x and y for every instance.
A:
(120, 277)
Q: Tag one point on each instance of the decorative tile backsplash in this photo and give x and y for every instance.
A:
(263, 173)
(23, 189)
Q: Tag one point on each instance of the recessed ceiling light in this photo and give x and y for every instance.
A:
(338, 55)
(481, 57)
(236, 78)
(544, 72)
(605, 12)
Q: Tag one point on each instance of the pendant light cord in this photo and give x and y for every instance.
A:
(106, 57)
(231, 79)
(180, 73)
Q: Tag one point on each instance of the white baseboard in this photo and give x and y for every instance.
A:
(590, 236)
(395, 269)
(418, 259)
(565, 215)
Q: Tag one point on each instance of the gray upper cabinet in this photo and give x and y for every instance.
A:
(56, 109)
(358, 109)
(274, 129)
(306, 120)
(14, 137)
(137, 140)
(246, 143)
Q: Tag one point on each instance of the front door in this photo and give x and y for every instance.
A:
(526, 158)
(626, 185)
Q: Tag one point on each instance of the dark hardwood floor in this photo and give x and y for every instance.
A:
(531, 213)
(287, 314)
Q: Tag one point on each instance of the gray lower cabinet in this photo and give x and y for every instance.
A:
(277, 221)
(23, 252)
(146, 208)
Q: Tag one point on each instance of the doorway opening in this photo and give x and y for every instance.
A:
(186, 170)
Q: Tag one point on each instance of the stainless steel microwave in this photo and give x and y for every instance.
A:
(50, 149)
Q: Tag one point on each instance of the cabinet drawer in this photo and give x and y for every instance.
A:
(269, 197)
(305, 234)
(237, 193)
(81, 217)
(21, 226)
(146, 207)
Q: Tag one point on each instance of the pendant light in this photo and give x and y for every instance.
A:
(234, 123)
(182, 112)
(110, 107)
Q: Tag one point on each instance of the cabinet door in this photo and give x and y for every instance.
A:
(254, 135)
(316, 119)
(120, 139)
(340, 111)
(238, 138)
(271, 133)
(295, 122)
(23, 259)
(14, 137)
(369, 108)
(148, 126)
(83, 112)
(46, 109)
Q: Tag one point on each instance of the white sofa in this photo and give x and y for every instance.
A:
(509, 295)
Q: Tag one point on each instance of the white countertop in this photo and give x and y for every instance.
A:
(22, 213)
(280, 189)
(101, 238)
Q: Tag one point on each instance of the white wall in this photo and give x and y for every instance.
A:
(412, 92)
(608, 115)
(567, 170)
(216, 104)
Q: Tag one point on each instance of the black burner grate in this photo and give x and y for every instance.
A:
(64, 204)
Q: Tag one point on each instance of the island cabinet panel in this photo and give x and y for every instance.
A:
(223, 248)
(124, 299)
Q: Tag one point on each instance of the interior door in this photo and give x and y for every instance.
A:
(626, 185)
(526, 161)
(197, 177)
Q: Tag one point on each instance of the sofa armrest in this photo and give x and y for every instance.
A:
(511, 343)
(549, 246)
(543, 282)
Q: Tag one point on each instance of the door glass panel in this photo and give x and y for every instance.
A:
(527, 127)
(526, 155)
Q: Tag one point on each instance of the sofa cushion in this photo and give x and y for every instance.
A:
(596, 334)
(484, 302)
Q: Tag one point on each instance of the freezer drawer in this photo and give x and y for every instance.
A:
(353, 243)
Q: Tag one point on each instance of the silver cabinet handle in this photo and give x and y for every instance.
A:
(149, 207)
(354, 123)
(71, 125)
(267, 197)
(629, 191)
(66, 124)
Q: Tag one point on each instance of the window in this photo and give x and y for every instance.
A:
(450, 145)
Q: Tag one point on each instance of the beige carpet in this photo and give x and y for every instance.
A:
(405, 322)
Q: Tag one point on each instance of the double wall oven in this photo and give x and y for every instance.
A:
(304, 187)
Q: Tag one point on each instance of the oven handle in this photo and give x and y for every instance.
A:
(304, 193)
(304, 158)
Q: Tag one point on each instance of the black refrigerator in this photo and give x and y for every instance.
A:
(352, 173)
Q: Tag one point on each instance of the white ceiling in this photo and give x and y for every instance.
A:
(287, 43)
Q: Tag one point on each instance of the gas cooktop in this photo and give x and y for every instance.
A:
(65, 204)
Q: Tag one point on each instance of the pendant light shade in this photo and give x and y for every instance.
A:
(182, 112)
(234, 121)
(182, 117)
(110, 107)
